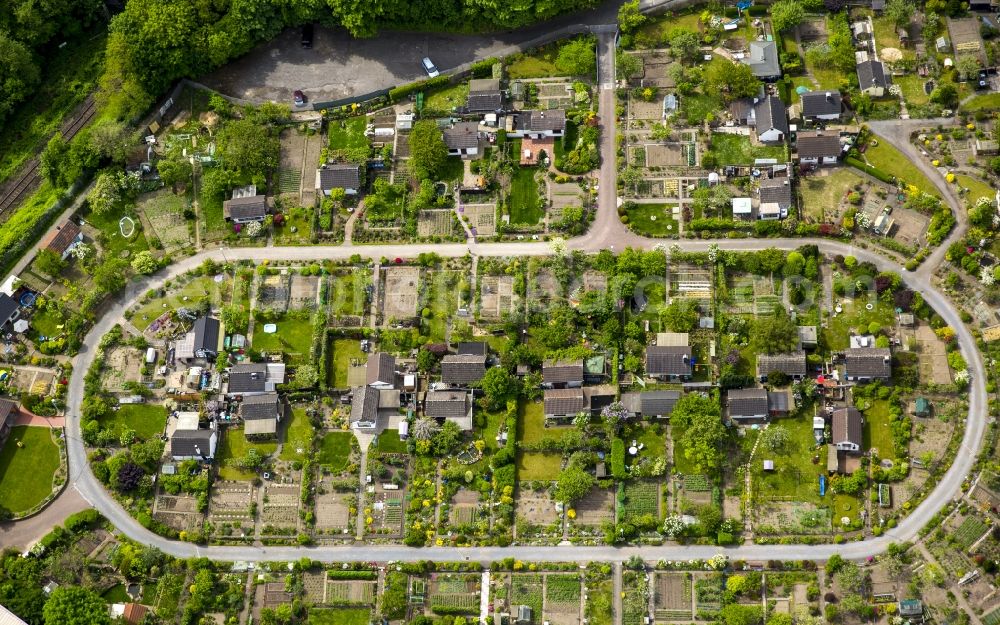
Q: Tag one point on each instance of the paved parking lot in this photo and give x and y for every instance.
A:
(339, 66)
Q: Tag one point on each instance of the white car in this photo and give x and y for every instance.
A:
(429, 67)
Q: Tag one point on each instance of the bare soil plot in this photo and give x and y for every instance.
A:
(562, 599)
(179, 512)
(303, 291)
(463, 506)
(314, 584)
(230, 501)
(481, 218)
(292, 156)
(164, 214)
(497, 296)
(640, 109)
(911, 226)
(400, 293)
(281, 507)
(595, 281)
(31, 381)
(275, 594)
(665, 155)
(435, 223)
(812, 30)
(333, 513)
(388, 512)
(536, 507)
(656, 69)
(314, 146)
(121, 365)
(672, 599)
(596, 507)
(275, 291)
(565, 194)
(933, 362)
(350, 592)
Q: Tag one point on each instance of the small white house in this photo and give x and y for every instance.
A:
(742, 208)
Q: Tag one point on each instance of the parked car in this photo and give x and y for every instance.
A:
(307, 36)
(299, 97)
(429, 67)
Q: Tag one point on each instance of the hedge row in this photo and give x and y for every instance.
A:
(871, 171)
(402, 91)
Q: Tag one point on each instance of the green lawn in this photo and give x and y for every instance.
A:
(799, 81)
(113, 243)
(390, 443)
(525, 201)
(294, 338)
(658, 27)
(538, 465)
(453, 169)
(347, 292)
(654, 445)
(795, 475)
(26, 472)
(886, 37)
(234, 446)
(986, 102)
(912, 87)
(335, 450)
(531, 424)
(147, 420)
(600, 604)
(856, 316)
(446, 98)
(116, 594)
(203, 287)
(298, 435)
(696, 107)
(340, 616)
(297, 228)
(681, 462)
(877, 433)
(824, 193)
(47, 322)
(67, 78)
(737, 150)
(653, 219)
(890, 160)
(213, 221)
(977, 188)
(348, 133)
(169, 596)
(341, 352)
(539, 63)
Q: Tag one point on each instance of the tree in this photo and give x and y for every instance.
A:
(248, 149)
(775, 438)
(426, 360)
(143, 263)
(73, 605)
(900, 12)
(447, 440)
(737, 614)
(112, 140)
(428, 153)
(786, 14)
(18, 73)
(425, 428)
(776, 334)
(627, 65)
(967, 65)
(174, 170)
(631, 178)
(574, 483)
(629, 17)
(112, 189)
(50, 263)
(704, 434)
(578, 57)
(110, 275)
(498, 385)
(732, 80)
(53, 160)
(681, 315)
(613, 414)
(852, 578)
(945, 94)
(684, 45)
(129, 476)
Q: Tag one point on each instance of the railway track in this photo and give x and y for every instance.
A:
(29, 177)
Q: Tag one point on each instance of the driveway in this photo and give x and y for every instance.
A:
(339, 66)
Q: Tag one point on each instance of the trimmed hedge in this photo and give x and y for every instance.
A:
(398, 93)
(871, 171)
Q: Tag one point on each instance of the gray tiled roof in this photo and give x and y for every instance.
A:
(264, 406)
(660, 403)
(247, 378)
(777, 401)
(872, 74)
(381, 367)
(777, 190)
(462, 135)
(7, 307)
(206, 334)
(817, 103)
(538, 121)
(668, 360)
(847, 426)
(763, 59)
(339, 176)
(817, 145)
(445, 404)
(562, 371)
(477, 348)
(771, 113)
(364, 405)
(462, 368)
(8, 408)
(747, 402)
(253, 207)
(869, 362)
(791, 364)
(566, 401)
(184, 442)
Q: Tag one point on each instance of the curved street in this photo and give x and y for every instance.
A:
(607, 232)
